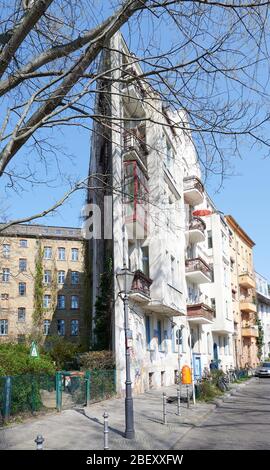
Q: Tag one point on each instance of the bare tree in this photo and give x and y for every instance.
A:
(209, 58)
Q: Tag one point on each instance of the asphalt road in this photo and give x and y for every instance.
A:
(241, 422)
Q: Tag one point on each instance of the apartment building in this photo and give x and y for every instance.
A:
(243, 295)
(219, 291)
(141, 153)
(48, 260)
(263, 309)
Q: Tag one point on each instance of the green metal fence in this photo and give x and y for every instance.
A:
(31, 393)
(26, 393)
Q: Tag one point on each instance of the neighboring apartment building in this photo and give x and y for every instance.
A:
(57, 252)
(263, 308)
(147, 219)
(244, 295)
(219, 291)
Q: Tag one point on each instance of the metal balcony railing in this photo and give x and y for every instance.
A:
(198, 264)
(192, 182)
(197, 223)
(141, 283)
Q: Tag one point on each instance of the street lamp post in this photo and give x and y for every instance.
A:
(125, 279)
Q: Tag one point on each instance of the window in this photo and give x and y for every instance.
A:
(74, 277)
(61, 254)
(209, 239)
(46, 301)
(148, 331)
(179, 339)
(61, 302)
(209, 344)
(61, 277)
(74, 301)
(169, 153)
(22, 264)
(47, 278)
(23, 243)
(3, 327)
(213, 306)
(173, 281)
(74, 254)
(21, 339)
(6, 250)
(159, 334)
(145, 260)
(61, 327)
(6, 275)
(74, 327)
(4, 296)
(21, 314)
(47, 252)
(46, 327)
(22, 288)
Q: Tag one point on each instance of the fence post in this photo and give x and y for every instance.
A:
(87, 386)
(106, 431)
(178, 401)
(164, 408)
(7, 397)
(39, 442)
(58, 386)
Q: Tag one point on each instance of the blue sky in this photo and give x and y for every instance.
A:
(244, 195)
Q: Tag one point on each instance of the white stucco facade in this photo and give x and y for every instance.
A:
(263, 309)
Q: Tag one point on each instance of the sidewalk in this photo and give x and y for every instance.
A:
(82, 429)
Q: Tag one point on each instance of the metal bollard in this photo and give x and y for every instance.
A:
(178, 402)
(39, 442)
(164, 408)
(187, 397)
(106, 431)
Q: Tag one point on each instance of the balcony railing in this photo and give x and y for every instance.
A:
(199, 265)
(134, 140)
(141, 284)
(246, 280)
(250, 331)
(191, 182)
(200, 313)
(197, 224)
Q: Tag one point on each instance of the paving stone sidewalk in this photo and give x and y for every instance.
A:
(82, 428)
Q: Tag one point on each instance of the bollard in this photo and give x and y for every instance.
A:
(178, 402)
(39, 442)
(106, 431)
(164, 408)
(187, 397)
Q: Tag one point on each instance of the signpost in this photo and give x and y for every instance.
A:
(34, 350)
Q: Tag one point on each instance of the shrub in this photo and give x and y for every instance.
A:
(15, 359)
(97, 360)
(28, 376)
(207, 391)
(64, 353)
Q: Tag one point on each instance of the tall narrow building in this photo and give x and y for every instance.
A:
(244, 295)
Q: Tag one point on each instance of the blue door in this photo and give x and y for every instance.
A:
(197, 366)
(215, 354)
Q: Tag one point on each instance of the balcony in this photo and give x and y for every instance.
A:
(135, 147)
(166, 300)
(140, 290)
(246, 280)
(193, 190)
(200, 313)
(133, 93)
(250, 331)
(247, 304)
(135, 200)
(198, 271)
(196, 230)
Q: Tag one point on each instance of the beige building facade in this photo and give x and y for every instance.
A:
(243, 296)
(41, 283)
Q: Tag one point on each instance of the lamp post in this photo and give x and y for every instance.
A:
(125, 279)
